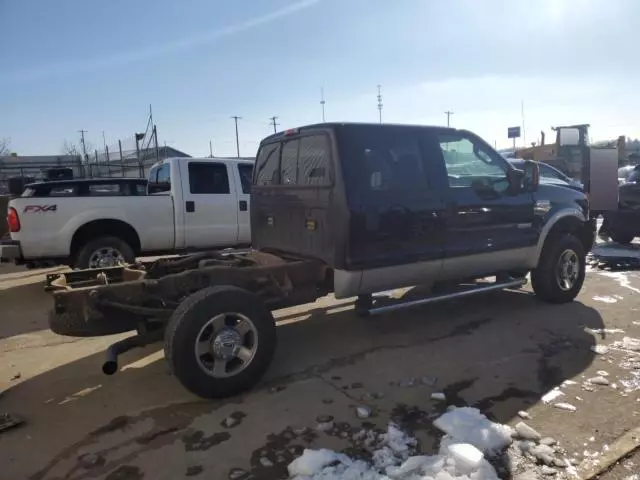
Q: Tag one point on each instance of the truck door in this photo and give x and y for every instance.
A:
(487, 226)
(244, 172)
(396, 235)
(210, 205)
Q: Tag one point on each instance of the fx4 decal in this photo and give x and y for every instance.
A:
(40, 208)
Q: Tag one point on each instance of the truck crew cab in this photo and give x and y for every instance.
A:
(348, 209)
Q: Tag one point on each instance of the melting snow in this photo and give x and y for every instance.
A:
(565, 406)
(628, 343)
(600, 349)
(605, 299)
(604, 330)
(469, 436)
(622, 278)
(551, 395)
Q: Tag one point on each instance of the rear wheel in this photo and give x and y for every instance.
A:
(560, 273)
(220, 341)
(104, 252)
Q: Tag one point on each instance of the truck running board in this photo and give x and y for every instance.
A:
(448, 296)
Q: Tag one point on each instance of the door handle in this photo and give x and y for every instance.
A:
(190, 206)
(243, 205)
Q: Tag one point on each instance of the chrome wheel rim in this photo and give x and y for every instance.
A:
(106, 257)
(226, 345)
(568, 270)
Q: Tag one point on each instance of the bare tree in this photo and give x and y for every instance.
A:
(70, 148)
(5, 151)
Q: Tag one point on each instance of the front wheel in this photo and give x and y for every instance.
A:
(560, 273)
(220, 341)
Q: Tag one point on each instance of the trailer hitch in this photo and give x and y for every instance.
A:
(110, 366)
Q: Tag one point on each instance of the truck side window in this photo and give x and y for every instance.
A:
(104, 189)
(268, 165)
(289, 163)
(468, 162)
(160, 179)
(208, 178)
(246, 171)
(313, 160)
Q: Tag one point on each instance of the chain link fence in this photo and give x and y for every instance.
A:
(130, 157)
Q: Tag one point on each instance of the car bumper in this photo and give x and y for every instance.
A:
(10, 250)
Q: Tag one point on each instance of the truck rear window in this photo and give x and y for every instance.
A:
(303, 161)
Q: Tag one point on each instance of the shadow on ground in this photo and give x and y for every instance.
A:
(500, 352)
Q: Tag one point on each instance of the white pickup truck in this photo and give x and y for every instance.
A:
(189, 204)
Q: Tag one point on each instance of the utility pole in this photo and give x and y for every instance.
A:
(84, 147)
(273, 122)
(322, 102)
(448, 114)
(524, 134)
(380, 103)
(210, 149)
(104, 142)
(236, 118)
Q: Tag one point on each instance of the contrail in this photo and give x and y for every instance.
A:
(158, 50)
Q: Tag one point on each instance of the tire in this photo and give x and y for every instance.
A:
(74, 324)
(545, 278)
(191, 319)
(623, 238)
(83, 257)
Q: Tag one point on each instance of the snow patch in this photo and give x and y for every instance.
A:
(600, 349)
(469, 436)
(551, 395)
(605, 299)
(622, 278)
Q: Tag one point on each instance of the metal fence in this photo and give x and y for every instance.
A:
(130, 157)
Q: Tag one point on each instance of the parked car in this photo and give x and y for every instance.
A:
(623, 225)
(550, 175)
(348, 209)
(188, 204)
(624, 172)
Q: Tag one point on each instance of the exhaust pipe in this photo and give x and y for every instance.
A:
(110, 366)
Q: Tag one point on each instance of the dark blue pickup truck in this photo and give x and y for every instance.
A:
(343, 209)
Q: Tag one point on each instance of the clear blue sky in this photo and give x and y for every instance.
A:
(97, 65)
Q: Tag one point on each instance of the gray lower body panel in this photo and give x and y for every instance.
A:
(357, 282)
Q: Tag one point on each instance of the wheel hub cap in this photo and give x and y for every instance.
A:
(106, 257)
(226, 344)
(568, 269)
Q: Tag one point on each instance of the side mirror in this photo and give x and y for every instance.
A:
(531, 178)
(514, 177)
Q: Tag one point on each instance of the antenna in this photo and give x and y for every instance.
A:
(380, 103)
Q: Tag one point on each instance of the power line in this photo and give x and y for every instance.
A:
(380, 103)
(273, 122)
(322, 102)
(448, 114)
(236, 118)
